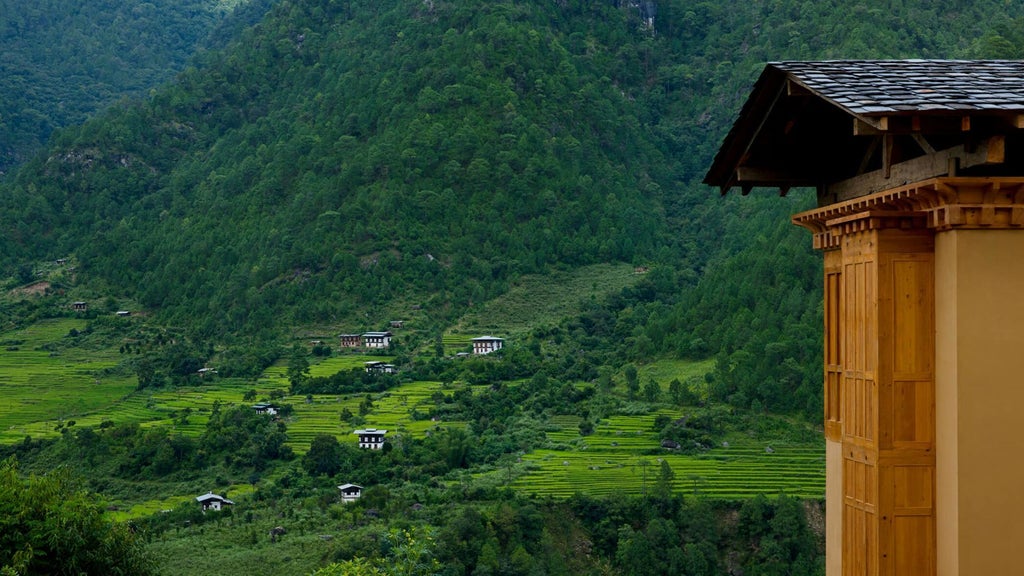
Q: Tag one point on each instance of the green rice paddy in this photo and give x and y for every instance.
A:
(44, 381)
(624, 456)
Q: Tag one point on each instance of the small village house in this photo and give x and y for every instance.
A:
(265, 408)
(350, 492)
(211, 501)
(79, 306)
(377, 339)
(378, 367)
(487, 344)
(351, 340)
(371, 438)
(396, 323)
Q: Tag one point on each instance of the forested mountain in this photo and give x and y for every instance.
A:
(62, 60)
(347, 159)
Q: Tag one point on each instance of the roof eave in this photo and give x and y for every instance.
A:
(763, 97)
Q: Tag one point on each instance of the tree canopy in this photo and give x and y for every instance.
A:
(49, 526)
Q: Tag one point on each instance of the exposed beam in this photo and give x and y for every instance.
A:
(989, 151)
(865, 161)
(926, 147)
(754, 176)
(932, 124)
(794, 88)
(865, 126)
(887, 150)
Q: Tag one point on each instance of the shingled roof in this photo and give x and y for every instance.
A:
(820, 123)
(884, 87)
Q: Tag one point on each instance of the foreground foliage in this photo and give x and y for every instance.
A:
(49, 526)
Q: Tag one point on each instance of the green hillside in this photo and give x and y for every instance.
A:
(345, 159)
(63, 60)
(286, 179)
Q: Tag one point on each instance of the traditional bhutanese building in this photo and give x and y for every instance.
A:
(350, 492)
(351, 340)
(371, 438)
(919, 171)
(211, 501)
(487, 344)
(379, 367)
(377, 339)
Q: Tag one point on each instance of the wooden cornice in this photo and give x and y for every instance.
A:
(937, 203)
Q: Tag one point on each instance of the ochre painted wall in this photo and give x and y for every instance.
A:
(979, 401)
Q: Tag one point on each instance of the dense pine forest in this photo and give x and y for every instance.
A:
(63, 61)
(330, 166)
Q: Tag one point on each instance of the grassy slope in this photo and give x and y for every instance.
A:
(534, 301)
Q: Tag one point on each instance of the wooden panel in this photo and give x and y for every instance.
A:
(913, 412)
(833, 287)
(915, 490)
(832, 396)
(913, 317)
(859, 347)
(859, 409)
(860, 485)
(833, 353)
(833, 349)
(913, 545)
(860, 542)
(854, 319)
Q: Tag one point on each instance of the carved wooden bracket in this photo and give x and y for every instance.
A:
(938, 203)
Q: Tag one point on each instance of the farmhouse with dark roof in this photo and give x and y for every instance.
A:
(211, 501)
(371, 438)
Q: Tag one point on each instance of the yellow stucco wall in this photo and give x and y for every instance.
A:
(979, 277)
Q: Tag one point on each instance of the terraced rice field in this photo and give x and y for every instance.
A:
(457, 342)
(391, 411)
(43, 384)
(41, 388)
(623, 456)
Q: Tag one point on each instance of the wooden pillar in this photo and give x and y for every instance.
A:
(879, 362)
(924, 352)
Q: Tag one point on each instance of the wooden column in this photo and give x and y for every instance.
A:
(921, 401)
(886, 394)
(879, 392)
